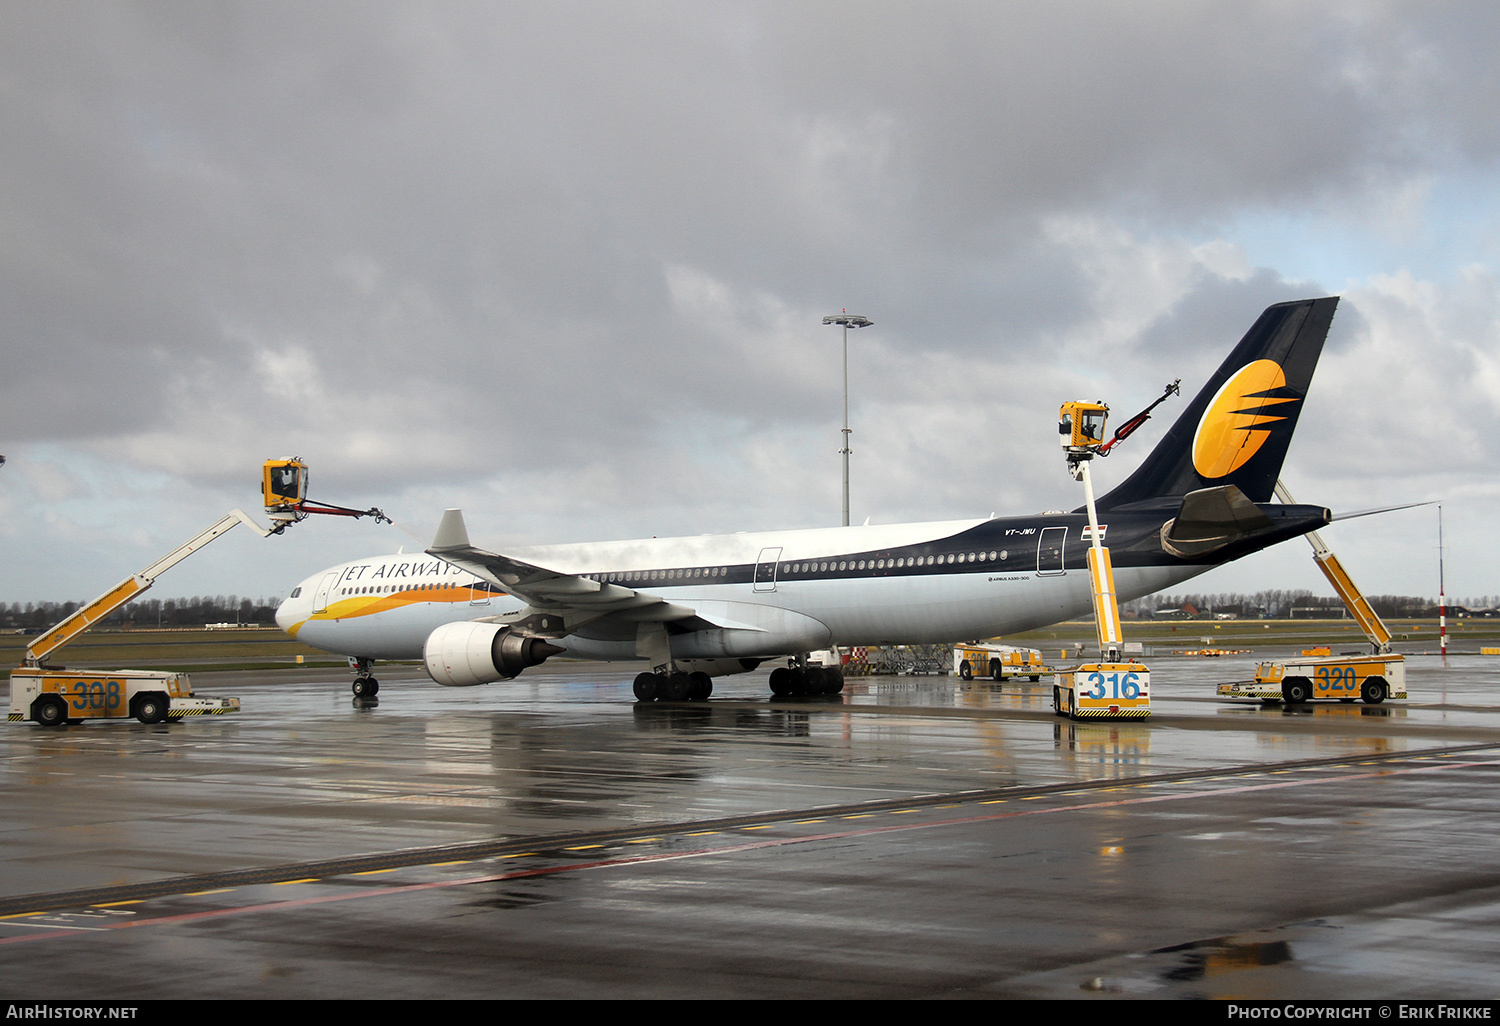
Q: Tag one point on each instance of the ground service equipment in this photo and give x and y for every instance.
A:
(284, 484)
(1373, 678)
(55, 695)
(1112, 688)
(997, 662)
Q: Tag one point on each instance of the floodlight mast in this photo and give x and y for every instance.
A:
(847, 321)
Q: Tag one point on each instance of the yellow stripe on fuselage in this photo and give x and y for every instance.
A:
(355, 606)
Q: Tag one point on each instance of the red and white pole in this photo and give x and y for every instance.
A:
(1442, 597)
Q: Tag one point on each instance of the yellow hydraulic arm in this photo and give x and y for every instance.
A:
(129, 588)
(1354, 600)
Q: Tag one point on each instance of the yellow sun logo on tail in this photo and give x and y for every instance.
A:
(1232, 430)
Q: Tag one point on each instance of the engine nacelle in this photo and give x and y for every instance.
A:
(467, 653)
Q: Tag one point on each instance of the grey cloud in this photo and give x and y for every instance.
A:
(439, 242)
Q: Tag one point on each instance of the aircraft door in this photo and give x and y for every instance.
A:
(765, 568)
(325, 588)
(1049, 550)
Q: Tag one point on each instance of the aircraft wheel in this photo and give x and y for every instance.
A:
(813, 681)
(833, 682)
(703, 686)
(645, 687)
(1373, 690)
(965, 670)
(679, 686)
(781, 682)
(1296, 690)
(365, 687)
(150, 707)
(50, 711)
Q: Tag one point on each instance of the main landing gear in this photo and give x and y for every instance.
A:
(787, 681)
(675, 686)
(365, 685)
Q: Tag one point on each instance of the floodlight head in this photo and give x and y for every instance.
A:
(848, 320)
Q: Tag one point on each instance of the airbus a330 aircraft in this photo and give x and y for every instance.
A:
(701, 607)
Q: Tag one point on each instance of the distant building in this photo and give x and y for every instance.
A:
(1318, 613)
(1186, 611)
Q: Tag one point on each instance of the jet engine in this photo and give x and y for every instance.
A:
(467, 653)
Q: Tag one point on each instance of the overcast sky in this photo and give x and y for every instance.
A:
(565, 264)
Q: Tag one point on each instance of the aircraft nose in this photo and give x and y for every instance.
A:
(284, 617)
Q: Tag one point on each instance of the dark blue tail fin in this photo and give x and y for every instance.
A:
(1236, 430)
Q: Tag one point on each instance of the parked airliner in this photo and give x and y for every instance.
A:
(695, 608)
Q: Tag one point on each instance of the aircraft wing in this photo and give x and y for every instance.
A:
(576, 598)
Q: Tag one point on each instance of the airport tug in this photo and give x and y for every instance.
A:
(1345, 677)
(1111, 688)
(54, 695)
(997, 662)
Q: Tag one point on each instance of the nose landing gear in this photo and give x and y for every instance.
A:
(365, 685)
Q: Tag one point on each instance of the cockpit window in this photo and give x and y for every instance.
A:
(295, 592)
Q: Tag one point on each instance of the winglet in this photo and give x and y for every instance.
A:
(451, 533)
